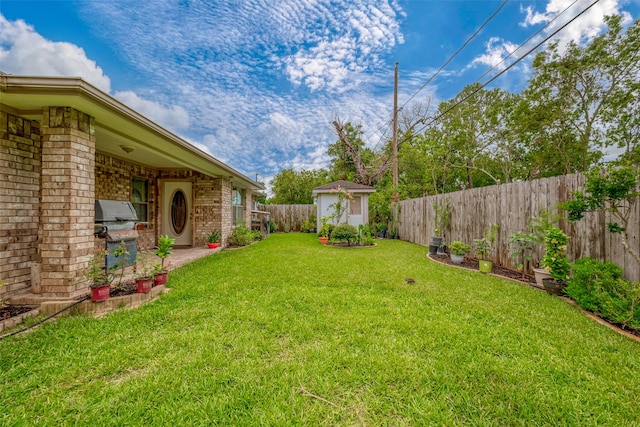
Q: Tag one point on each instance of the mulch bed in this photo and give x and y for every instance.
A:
(13, 310)
(123, 289)
(472, 264)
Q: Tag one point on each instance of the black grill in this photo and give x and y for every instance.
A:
(115, 221)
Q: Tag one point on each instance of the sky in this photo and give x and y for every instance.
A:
(257, 83)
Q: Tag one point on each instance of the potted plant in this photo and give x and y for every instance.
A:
(442, 221)
(100, 279)
(458, 250)
(323, 234)
(555, 261)
(163, 250)
(483, 246)
(213, 239)
(143, 274)
(539, 225)
(522, 244)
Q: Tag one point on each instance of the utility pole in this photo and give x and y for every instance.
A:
(395, 150)
(395, 130)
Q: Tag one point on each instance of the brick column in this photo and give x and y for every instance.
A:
(68, 194)
(226, 209)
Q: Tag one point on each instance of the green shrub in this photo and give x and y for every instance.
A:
(344, 233)
(599, 287)
(459, 248)
(241, 235)
(256, 235)
(365, 235)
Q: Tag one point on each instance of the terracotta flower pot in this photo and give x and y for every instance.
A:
(323, 240)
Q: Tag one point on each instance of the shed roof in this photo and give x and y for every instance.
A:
(351, 186)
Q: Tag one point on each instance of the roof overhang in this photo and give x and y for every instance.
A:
(116, 125)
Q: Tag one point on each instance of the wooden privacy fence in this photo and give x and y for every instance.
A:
(293, 215)
(511, 206)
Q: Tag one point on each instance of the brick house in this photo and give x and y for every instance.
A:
(65, 144)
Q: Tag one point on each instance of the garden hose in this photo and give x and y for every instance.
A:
(45, 319)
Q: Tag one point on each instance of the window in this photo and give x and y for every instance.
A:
(140, 198)
(356, 206)
(238, 207)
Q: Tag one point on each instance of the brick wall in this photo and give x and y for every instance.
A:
(207, 193)
(20, 169)
(113, 182)
(50, 177)
(226, 194)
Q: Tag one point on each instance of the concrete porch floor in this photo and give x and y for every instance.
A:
(178, 257)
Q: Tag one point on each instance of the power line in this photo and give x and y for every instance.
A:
(451, 58)
(526, 41)
(438, 117)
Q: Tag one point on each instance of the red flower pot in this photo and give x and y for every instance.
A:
(100, 293)
(160, 279)
(144, 285)
(212, 245)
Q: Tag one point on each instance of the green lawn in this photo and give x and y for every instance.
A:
(288, 332)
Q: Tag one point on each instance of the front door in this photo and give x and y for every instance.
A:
(176, 211)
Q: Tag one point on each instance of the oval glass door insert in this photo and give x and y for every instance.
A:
(178, 212)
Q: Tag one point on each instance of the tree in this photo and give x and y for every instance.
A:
(291, 187)
(581, 100)
(613, 189)
(471, 125)
(353, 161)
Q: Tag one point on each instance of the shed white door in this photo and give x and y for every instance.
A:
(176, 211)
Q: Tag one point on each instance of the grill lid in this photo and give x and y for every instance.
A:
(114, 210)
(121, 235)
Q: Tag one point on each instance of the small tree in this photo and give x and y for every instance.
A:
(555, 260)
(545, 220)
(522, 244)
(484, 244)
(165, 244)
(613, 189)
(442, 218)
(120, 252)
(340, 206)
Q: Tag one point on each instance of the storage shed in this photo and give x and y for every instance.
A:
(357, 210)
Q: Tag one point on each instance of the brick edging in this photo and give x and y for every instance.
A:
(109, 305)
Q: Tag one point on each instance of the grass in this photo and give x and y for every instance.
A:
(288, 332)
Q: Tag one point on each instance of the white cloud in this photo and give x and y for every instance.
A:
(559, 12)
(228, 67)
(499, 53)
(361, 34)
(174, 117)
(24, 51)
(495, 53)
